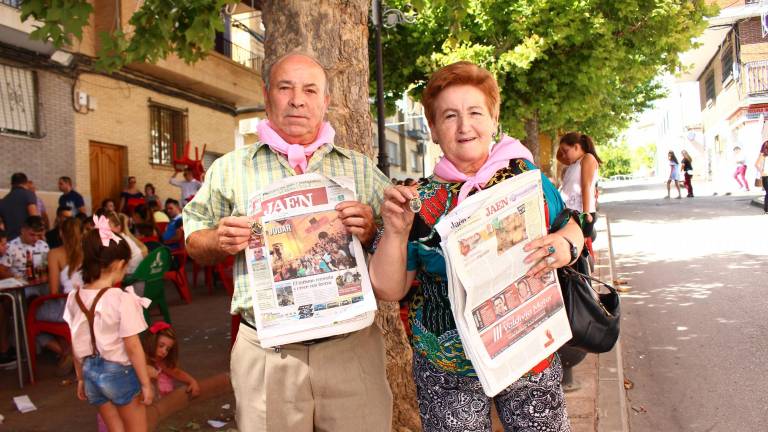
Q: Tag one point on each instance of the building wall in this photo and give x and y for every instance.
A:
(122, 118)
(44, 159)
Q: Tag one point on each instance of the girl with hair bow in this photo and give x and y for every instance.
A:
(162, 350)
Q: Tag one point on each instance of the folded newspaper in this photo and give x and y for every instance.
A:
(507, 322)
(308, 275)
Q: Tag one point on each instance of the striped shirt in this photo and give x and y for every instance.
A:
(234, 178)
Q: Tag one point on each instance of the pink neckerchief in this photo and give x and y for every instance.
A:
(499, 157)
(297, 153)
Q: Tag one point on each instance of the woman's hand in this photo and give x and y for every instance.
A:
(547, 253)
(396, 212)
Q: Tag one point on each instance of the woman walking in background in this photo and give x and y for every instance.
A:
(580, 178)
(741, 169)
(688, 172)
(674, 174)
(762, 169)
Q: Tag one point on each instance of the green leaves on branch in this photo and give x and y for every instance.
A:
(587, 64)
(158, 28)
(60, 19)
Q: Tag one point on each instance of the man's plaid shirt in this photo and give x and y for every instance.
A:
(237, 176)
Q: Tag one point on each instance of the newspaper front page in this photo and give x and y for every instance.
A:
(307, 274)
(508, 322)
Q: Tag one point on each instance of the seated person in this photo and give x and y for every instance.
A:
(172, 236)
(7, 355)
(52, 237)
(29, 241)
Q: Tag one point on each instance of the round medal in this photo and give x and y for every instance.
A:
(415, 204)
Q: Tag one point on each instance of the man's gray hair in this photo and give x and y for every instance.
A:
(297, 52)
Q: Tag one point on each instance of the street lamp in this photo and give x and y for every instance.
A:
(391, 18)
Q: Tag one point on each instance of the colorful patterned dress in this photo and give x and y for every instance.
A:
(434, 331)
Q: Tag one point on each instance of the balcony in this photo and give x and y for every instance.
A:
(756, 78)
(238, 54)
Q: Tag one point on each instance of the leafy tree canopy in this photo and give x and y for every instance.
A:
(587, 64)
(158, 28)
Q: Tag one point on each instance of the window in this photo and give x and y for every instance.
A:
(393, 152)
(167, 127)
(18, 101)
(415, 162)
(709, 86)
(726, 60)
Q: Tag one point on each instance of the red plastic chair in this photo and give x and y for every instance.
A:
(179, 275)
(35, 327)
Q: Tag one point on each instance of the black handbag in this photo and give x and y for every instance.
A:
(594, 317)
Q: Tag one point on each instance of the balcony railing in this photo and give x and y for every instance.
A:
(237, 53)
(756, 78)
(16, 4)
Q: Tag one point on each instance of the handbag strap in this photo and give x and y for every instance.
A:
(575, 272)
(90, 314)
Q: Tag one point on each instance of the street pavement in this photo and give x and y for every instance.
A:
(694, 327)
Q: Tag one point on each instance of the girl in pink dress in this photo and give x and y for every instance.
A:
(162, 350)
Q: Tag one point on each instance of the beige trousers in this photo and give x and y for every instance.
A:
(335, 386)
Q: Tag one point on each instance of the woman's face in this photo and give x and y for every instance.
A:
(571, 153)
(464, 126)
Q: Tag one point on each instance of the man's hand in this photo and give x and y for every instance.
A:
(358, 218)
(233, 234)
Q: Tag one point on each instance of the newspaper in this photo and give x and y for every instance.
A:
(308, 275)
(507, 322)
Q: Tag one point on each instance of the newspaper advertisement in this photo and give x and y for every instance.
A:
(307, 274)
(507, 321)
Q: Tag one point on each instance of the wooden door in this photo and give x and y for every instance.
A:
(107, 172)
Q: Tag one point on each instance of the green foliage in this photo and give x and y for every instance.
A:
(616, 159)
(643, 157)
(587, 65)
(158, 28)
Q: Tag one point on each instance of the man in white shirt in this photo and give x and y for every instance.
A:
(189, 186)
(30, 240)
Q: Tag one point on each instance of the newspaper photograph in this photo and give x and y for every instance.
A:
(507, 321)
(307, 274)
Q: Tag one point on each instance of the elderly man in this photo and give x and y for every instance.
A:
(332, 384)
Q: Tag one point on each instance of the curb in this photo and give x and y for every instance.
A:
(612, 413)
(758, 201)
(178, 399)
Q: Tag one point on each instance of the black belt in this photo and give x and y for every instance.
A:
(306, 342)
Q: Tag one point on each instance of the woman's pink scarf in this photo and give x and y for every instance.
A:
(500, 155)
(297, 153)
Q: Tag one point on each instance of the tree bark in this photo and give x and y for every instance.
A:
(532, 137)
(336, 32)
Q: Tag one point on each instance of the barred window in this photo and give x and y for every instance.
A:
(709, 85)
(393, 152)
(18, 101)
(167, 128)
(726, 61)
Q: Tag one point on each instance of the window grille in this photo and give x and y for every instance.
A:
(18, 101)
(168, 127)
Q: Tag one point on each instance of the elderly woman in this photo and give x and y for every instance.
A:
(461, 102)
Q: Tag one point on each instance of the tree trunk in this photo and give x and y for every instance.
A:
(532, 137)
(336, 32)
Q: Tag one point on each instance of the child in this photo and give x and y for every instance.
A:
(105, 323)
(162, 350)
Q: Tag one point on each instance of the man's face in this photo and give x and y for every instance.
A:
(172, 210)
(64, 187)
(296, 101)
(30, 236)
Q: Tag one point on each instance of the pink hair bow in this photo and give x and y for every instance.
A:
(158, 327)
(105, 232)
